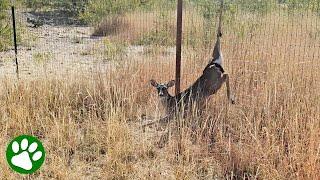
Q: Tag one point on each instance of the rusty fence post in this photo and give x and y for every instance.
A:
(178, 67)
(178, 46)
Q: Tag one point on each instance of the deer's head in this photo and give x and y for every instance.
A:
(162, 88)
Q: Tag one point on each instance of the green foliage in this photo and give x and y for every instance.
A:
(150, 5)
(293, 5)
(162, 34)
(41, 58)
(6, 32)
(5, 36)
(208, 8)
(96, 10)
(113, 51)
(154, 37)
(36, 4)
(5, 29)
(261, 6)
(3, 6)
(75, 6)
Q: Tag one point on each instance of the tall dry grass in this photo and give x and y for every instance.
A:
(90, 127)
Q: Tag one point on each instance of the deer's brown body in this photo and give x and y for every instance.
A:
(208, 83)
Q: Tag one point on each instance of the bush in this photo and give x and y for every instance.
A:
(293, 5)
(261, 6)
(113, 51)
(41, 58)
(96, 10)
(161, 38)
(5, 36)
(74, 6)
(163, 33)
(5, 26)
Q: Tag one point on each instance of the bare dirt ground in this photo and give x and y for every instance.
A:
(62, 45)
(54, 49)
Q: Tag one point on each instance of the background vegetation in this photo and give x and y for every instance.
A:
(5, 26)
(109, 15)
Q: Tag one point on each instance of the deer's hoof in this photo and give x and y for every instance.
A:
(232, 100)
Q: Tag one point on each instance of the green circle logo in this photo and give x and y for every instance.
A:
(25, 154)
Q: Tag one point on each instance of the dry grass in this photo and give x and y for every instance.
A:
(90, 127)
(134, 27)
(125, 26)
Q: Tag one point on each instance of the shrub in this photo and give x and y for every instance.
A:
(261, 6)
(113, 51)
(293, 5)
(163, 33)
(161, 38)
(41, 58)
(96, 10)
(5, 29)
(67, 5)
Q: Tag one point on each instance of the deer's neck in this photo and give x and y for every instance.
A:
(166, 101)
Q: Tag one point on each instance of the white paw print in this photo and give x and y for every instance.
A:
(23, 158)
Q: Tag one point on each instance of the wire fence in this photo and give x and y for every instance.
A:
(56, 43)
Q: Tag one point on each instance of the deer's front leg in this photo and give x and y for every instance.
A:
(218, 85)
(230, 96)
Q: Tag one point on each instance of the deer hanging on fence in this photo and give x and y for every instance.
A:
(207, 84)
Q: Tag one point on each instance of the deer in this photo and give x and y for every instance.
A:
(213, 77)
(211, 80)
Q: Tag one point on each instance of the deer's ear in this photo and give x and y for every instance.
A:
(171, 83)
(153, 83)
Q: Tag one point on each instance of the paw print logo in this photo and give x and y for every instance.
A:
(25, 154)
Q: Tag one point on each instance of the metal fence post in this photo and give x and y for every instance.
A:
(178, 66)
(178, 46)
(15, 40)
